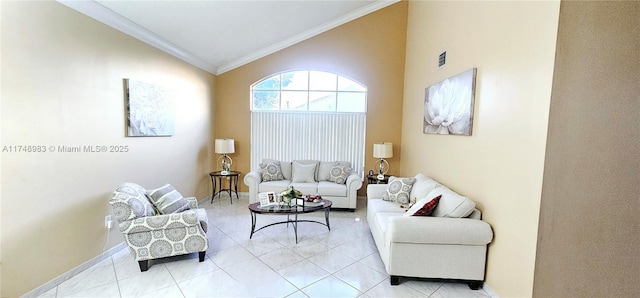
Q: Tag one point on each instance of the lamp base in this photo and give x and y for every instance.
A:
(224, 172)
(380, 177)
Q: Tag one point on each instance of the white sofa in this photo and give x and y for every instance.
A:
(309, 177)
(449, 244)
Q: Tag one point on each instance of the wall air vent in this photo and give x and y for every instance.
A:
(442, 59)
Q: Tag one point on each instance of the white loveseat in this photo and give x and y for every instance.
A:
(451, 243)
(335, 180)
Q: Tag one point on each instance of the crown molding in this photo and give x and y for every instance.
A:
(108, 17)
(305, 35)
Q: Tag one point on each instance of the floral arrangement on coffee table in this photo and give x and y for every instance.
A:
(290, 194)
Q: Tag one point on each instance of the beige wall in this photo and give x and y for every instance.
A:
(587, 240)
(62, 84)
(370, 50)
(500, 166)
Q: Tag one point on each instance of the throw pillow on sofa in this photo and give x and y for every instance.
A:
(451, 204)
(271, 171)
(167, 199)
(339, 174)
(303, 173)
(398, 189)
(423, 207)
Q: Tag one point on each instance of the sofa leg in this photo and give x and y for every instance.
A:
(475, 285)
(144, 265)
(395, 280)
(201, 256)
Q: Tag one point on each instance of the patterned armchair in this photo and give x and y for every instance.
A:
(151, 234)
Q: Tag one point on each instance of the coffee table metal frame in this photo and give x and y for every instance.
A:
(288, 211)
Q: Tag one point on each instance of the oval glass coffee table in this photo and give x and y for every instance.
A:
(256, 209)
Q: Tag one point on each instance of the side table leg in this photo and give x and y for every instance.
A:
(236, 187)
(213, 188)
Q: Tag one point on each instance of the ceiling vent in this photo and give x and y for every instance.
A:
(442, 59)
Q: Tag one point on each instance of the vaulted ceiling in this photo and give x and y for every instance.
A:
(218, 36)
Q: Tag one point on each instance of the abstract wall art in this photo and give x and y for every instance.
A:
(149, 110)
(448, 105)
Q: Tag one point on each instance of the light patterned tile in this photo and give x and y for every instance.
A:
(228, 257)
(332, 260)
(97, 275)
(458, 290)
(330, 287)
(357, 249)
(303, 273)
(375, 262)
(189, 268)
(214, 284)
(105, 291)
(360, 276)
(309, 248)
(260, 244)
(157, 277)
(168, 292)
(281, 258)
(385, 289)
(260, 279)
(424, 286)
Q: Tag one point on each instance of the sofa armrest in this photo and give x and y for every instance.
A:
(375, 191)
(354, 182)
(187, 218)
(439, 230)
(253, 180)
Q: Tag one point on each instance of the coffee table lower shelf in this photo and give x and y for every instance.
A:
(289, 211)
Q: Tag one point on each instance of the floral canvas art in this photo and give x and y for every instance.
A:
(448, 105)
(150, 112)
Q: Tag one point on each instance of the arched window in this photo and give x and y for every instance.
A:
(309, 90)
(308, 114)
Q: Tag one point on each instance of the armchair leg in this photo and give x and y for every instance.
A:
(201, 256)
(144, 265)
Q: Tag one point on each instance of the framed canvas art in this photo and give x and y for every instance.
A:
(448, 105)
(149, 110)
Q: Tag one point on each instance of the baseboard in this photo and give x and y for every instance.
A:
(71, 273)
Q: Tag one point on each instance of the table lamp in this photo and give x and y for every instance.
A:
(224, 147)
(382, 150)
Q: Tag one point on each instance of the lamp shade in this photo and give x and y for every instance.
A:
(383, 150)
(224, 146)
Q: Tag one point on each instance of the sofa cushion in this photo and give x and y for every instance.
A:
(423, 207)
(326, 188)
(375, 206)
(423, 186)
(398, 189)
(451, 204)
(382, 219)
(307, 162)
(339, 174)
(275, 186)
(167, 199)
(271, 171)
(303, 172)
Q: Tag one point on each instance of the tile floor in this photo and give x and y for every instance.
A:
(343, 262)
